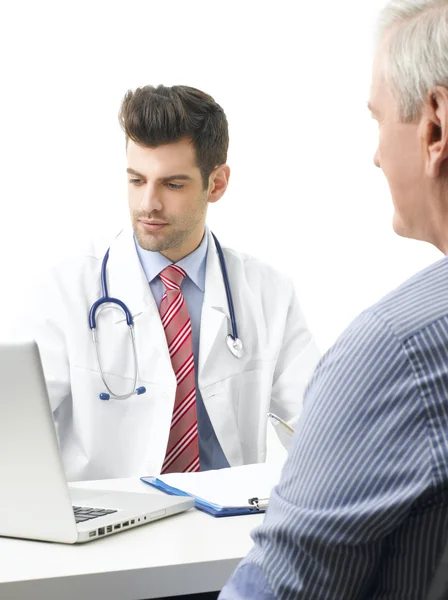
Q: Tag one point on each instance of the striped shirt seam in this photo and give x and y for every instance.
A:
(433, 469)
(402, 346)
(404, 338)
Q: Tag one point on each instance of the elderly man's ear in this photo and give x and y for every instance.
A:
(435, 132)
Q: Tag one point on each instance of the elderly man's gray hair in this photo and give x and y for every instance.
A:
(415, 34)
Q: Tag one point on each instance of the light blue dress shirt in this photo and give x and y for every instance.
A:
(361, 511)
(193, 286)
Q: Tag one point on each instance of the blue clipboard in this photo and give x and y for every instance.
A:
(212, 509)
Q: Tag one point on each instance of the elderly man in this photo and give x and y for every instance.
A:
(362, 507)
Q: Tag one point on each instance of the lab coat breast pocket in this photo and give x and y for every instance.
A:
(119, 438)
(238, 407)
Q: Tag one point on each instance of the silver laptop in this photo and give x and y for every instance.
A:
(35, 500)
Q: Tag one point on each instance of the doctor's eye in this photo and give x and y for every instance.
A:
(174, 186)
(135, 181)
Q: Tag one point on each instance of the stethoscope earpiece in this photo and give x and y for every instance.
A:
(138, 391)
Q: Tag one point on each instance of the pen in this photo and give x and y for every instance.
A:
(276, 421)
(258, 503)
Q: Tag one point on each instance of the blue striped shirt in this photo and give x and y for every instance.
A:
(361, 510)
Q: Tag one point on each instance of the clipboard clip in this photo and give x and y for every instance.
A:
(258, 503)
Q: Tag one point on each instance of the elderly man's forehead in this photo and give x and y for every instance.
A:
(378, 86)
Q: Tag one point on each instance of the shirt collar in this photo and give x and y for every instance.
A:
(194, 264)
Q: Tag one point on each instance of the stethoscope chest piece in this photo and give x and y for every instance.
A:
(235, 346)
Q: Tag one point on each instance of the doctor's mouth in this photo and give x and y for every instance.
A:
(153, 225)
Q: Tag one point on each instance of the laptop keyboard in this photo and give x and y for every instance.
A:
(84, 513)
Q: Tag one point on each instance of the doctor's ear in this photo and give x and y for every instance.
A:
(435, 115)
(218, 182)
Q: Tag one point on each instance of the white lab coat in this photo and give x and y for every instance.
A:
(125, 438)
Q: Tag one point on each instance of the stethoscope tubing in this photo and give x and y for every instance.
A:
(234, 343)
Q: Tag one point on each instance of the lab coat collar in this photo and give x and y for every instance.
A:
(215, 291)
(128, 282)
(215, 308)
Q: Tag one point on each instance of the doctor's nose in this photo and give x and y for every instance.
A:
(150, 200)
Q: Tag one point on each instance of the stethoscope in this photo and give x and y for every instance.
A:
(234, 343)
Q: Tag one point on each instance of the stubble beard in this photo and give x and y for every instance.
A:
(162, 241)
(173, 235)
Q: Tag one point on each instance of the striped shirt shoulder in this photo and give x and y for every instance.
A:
(417, 303)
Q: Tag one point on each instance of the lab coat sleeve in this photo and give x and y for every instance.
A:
(42, 319)
(295, 365)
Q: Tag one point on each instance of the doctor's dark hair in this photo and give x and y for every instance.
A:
(151, 116)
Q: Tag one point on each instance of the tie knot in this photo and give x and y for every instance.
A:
(172, 277)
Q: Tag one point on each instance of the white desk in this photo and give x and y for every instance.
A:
(189, 553)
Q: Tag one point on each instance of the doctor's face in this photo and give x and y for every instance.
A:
(167, 201)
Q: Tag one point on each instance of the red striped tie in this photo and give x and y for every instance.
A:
(182, 453)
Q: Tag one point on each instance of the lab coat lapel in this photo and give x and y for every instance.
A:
(216, 364)
(214, 310)
(127, 282)
(126, 277)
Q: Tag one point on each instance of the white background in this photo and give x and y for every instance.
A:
(293, 78)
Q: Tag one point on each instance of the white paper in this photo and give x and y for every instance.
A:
(230, 487)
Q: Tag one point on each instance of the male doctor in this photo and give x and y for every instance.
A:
(202, 398)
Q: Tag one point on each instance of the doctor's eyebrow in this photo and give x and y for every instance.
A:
(178, 177)
(136, 173)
